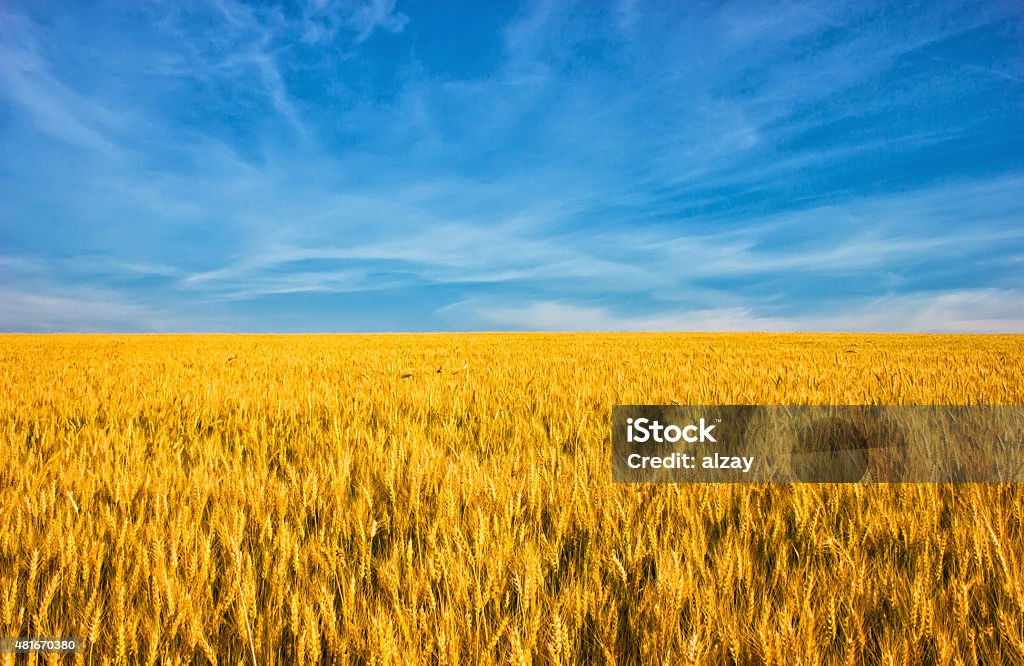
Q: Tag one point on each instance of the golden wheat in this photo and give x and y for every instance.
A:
(448, 499)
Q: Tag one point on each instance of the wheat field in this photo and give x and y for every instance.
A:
(447, 499)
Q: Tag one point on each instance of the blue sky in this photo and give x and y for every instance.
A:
(403, 166)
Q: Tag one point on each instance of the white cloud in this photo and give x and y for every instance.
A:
(51, 106)
(566, 316)
(956, 311)
(367, 17)
(77, 310)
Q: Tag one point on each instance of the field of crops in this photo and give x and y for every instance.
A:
(448, 499)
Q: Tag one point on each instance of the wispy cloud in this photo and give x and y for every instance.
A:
(75, 310)
(958, 311)
(52, 107)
